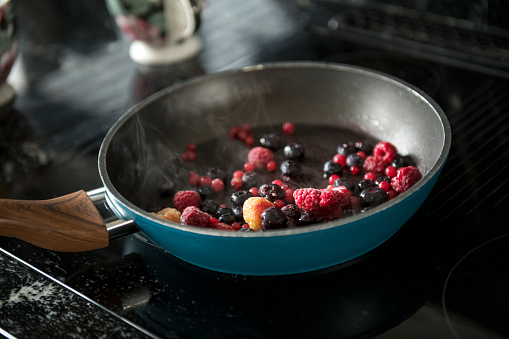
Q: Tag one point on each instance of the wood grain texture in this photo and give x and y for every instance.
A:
(70, 223)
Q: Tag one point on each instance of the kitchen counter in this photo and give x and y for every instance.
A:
(444, 274)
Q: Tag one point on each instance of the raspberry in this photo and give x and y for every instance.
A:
(224, 227)
(307, 199)
(405, 178)
(330, 205)
(170, 214)
(260, 156)
(374, 164)
(253, 209)
(386, 151)
(184, 199)
(192, 216)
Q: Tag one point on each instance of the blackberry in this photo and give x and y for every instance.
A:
(373, 196)
(271, 141)
(330, 168)
(250, 179)
(291, 211)
(344, 182)
(217, 172)
(273, 218)
(306, 218)
(290, 168)
(238, 198)
(346, 148)
(271, 192)
(365, 184)
(209, 206)
(294, 151)
(354, 159)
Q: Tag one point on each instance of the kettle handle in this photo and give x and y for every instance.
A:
(70, 223)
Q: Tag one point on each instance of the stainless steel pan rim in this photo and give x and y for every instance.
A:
(350, 221)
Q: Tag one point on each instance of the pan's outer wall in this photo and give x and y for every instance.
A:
(310, 93)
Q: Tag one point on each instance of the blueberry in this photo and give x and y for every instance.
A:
(373, 196)
(294, 151)
(271, 192)
(205, 191)
(238, 212)
(354, 159)
(364, 146)
(225, 215)
(344, 182)
(273, 218)
(346, 148)
(291, 211)
(364, 184)
(223, 210)
(290, 168)
(403, 161)
(217, 172)
(250, 179)
(271, 141)
(238, 198)
(330, 168)
(209, 206)
(306, 218)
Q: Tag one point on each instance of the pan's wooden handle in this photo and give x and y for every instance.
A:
(70, 223)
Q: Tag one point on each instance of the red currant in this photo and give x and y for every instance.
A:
(361, 154)
(272, 166)
(278, 182)
(217, 185)
(339, 159)
(238, 174)
(333, 178)
(194, 178)
(370, 176)
(279, 203)
(248, 167)
(204, 180)
(213, 221)
(237, 183)
(254, 191)
(384, 185)
(354, 170)
(288, 128)
(391, 171)
(191, 147)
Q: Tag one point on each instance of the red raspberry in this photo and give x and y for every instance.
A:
(193, 216)
(260, 156)
(373, 164)
(307, 199)
(406, 178)
(330, 205)
(386, 151)
(184, 199)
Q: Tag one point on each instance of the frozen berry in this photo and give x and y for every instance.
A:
(354, 159)
(225, 215)
(365, 183)
(308, 199)
(260, 156)
(340, 159)
(374, 164)
(386, 151)
(253, 209)
(291, 211)
(333, 178)
(170, 214)
(250, 179)
(238, 198)
(238, 212)
(290, 168)
(272, 166)
(193, 216)
(209, 206)
(288, 128)
(371, 197)
(344, 182)
(223, 227)
(217, 185)
(183, 199)
(306, 218)
(271, 192)
(217, 172)
(194, 178)
(346, 148)
(403, 161)
(330, 168)
(391, 171)
(383, 178)
(273, 218)
(271, 141)
(205, 191)
(294, 151)
(406, 178)
(370, 176)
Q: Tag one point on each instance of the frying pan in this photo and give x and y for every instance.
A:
(142, 148)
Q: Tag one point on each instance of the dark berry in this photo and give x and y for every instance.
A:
(271, 192)
(291, 211)
(205, 191)
(223, 210)
(373, 196)
(364, 146)
(209, 206)
(271, 140)
(330, 168)
(294, 151)
(403, 161)
(238, 198)
(306, 218)
(344, 182)
(290, 168)
(238, 212)
(250, 179)
(225, 215)
(291, 223)
(354, 159)
(383, 178)
(365, 184)
(217, 172)
(346, 148)
(273, 218)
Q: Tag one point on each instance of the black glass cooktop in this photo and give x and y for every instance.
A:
(444, 274)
